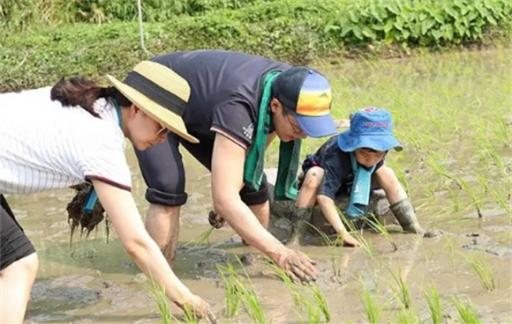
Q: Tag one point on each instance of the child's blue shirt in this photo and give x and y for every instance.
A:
(338, 174)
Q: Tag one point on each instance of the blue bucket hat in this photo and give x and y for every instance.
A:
(371, 128)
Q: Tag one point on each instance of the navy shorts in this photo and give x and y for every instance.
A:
(14, 243)
(164, 174)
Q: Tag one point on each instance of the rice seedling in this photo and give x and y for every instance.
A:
(160, 298)
(434, 305)
(238, 294)
(189, 316)
(335, 257)
(466, 311)
(402, 291)
(441, 170)
(484, 271)
(314, 314)
(316, 307)
(321, 302)
(253, 306)
(381, 229)
(367, 247)
(407, 316)
(335, 265)
(298, 297)
(204, 237)
(232, 292)
(370, 306)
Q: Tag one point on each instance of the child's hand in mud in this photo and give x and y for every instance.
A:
(349, 240)
(298, 265)
(198, 307)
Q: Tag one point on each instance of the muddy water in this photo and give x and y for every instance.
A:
(95, 281)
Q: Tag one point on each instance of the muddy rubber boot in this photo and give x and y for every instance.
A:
(404, 213)
(301, 218)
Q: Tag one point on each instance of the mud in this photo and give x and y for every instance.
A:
(93, 281)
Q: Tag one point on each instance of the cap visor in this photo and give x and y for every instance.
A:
(317, 126)
(164, 116)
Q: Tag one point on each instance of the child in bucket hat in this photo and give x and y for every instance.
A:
(350, 164)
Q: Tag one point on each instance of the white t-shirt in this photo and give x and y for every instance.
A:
(44, 145)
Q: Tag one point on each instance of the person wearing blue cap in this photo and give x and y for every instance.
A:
(238, 103)
(348, 164)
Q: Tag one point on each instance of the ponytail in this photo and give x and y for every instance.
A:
(77, 91)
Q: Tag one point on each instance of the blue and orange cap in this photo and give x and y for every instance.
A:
(308, 94)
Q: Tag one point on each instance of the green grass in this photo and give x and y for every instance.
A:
(56, 40)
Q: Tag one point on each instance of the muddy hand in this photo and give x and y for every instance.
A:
(298, 265)
(216, 220)
(349, 240)
(198, 307)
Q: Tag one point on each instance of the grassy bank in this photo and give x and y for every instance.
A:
(66, 39)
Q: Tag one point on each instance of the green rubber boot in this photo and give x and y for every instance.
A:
(406, 216)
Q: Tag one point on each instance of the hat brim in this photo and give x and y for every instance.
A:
(164, 116)
(378, 142)
(316, 126)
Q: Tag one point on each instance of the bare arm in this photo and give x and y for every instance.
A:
(227, 180)
(328, 208)
(121, 208)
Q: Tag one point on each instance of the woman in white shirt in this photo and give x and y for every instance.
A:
(78, 136)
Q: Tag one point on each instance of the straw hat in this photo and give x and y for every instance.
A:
(159, 92)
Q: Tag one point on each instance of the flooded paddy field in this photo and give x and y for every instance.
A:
(452, 113)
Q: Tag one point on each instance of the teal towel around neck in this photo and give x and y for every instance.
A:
(360, 193)
(289, 152)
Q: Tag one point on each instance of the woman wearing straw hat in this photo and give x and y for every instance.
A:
(238, 104)
(85, 142)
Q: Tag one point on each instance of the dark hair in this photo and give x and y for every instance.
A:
(78, 91)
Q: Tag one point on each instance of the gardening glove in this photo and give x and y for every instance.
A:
(297, 265)
(405, 215)
(198, 307)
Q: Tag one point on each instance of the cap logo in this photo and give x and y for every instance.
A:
(381, 124)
